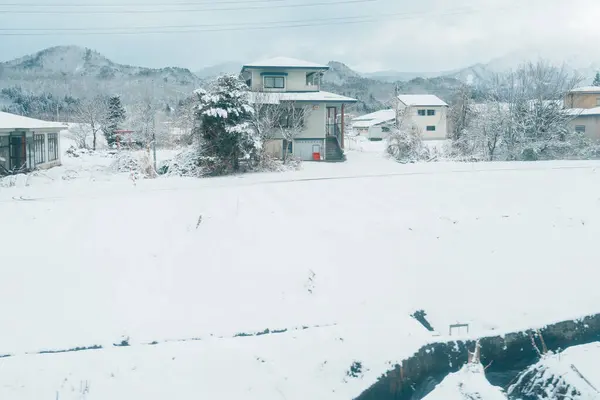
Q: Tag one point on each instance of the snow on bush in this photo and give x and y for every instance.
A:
(186, 163)
(404, 143)
(138, 163)
(18, 180)
(469, 383)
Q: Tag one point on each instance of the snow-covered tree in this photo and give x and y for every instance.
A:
(523, 117)
(461, 116)
(596, 79)
(89, 114)
(223, 125)
(142, 119)
(404, 142)
(183, 116)
(115, 116)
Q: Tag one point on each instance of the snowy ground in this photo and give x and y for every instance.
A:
(337, 254)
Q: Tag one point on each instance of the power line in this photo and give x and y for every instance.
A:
(258, 26)
(102, 5)
(160, 27)
(146, 11)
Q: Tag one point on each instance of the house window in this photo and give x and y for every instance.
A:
(385, 129)
(421, 112)
(4, 152)
(580, 128)
(39, 149)
(52, 146)
(431, 128)
(430, 112)
(274, 82)
(598, 101)
(313, 78)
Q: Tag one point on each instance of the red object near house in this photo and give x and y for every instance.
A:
(316, 156)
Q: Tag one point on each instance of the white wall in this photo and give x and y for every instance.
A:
(314, 123)
(591, 123)
(295, 81)
(439, 120)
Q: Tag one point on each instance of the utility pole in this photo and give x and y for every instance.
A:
(154, 140)
(154, 130)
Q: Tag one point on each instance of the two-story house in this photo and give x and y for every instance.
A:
(294, 82)
(427, 112)
(584, 104)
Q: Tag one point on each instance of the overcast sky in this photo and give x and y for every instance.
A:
(424, 35)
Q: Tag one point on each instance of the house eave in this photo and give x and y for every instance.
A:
(249, 67)
(39, 130)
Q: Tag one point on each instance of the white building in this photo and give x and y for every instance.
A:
(584, 104)
(287, 80)
(27, 143)
(427, 112)
(376, 125)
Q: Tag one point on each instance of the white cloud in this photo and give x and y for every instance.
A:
(428, 35)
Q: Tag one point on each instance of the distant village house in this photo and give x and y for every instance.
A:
(584, 104)
(27, 143)
(428, 113)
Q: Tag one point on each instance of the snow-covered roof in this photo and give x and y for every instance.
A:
(586, 89)
(373, 119)
(421, 100)
(314, 97)
(584, 112)
(9, 122)
(284, 62)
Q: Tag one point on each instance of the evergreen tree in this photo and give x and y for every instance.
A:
(597, 79)
(114, 119)
(223, 124)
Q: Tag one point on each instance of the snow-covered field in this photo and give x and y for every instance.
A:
(339, 255)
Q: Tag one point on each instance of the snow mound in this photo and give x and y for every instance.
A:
(572, 374)
(469, 383)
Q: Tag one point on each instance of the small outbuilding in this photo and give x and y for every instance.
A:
(28, 143)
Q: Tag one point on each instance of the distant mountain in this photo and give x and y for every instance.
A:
(583, 63)
(214, 71)
(78, 72)
(395, 76)
(375, 94)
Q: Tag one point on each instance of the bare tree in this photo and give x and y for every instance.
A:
(267, 114)
(183, 118)
(276, 119)
(404, 143)
(291, 123)
(461, 117)
(523, 117)
(90, 115)
(142, 119)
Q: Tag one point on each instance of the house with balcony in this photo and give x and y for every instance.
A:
(27, 143)
(584, 105)
(428, 113)
(297, 85)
